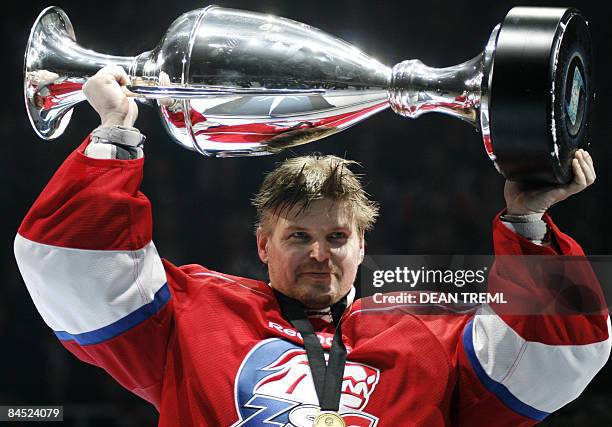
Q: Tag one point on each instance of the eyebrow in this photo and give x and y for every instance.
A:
(336, 227)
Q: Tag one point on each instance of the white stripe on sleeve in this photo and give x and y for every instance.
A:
(78, 290)
(545, 377)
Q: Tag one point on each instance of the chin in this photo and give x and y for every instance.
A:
(319, 296)
(317, 302)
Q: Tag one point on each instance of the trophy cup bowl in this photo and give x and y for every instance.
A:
(228, 82)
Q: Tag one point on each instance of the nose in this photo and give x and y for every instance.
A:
(320, 251)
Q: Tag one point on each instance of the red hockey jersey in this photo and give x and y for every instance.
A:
(211, 349)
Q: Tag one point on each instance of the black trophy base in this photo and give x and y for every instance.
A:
(541, 93)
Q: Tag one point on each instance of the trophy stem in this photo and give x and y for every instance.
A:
(417, 89)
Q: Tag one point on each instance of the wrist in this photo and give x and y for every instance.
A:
(115, 142)
(522, 212)
(531, 227)
(116, 119)
(522, 218)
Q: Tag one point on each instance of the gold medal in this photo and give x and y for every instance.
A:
(329, 419)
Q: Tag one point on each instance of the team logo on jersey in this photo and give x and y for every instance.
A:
(274, 388)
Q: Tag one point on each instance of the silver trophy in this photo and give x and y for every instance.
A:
(235, 83)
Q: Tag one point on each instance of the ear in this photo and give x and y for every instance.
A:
(262, 244)
(362, 245)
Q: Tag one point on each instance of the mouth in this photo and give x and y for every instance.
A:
(316, 275)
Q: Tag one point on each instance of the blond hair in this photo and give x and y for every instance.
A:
(298, 181)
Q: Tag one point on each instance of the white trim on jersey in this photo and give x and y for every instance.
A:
(544, 377)
(77, 291)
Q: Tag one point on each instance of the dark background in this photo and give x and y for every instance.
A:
(437, 188)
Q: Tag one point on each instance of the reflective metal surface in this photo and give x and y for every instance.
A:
(233, 83)
(274, 83)
(228, 82)
(55, 68)
(485, 94)
(417, 89)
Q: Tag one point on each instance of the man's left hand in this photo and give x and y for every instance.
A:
(520, 201)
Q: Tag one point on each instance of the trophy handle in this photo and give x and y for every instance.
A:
(55, 69)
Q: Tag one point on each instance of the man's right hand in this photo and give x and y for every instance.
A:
(107, 94)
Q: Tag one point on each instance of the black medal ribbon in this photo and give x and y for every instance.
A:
(328, 377)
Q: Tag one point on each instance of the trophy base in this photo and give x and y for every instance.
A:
(541, 94)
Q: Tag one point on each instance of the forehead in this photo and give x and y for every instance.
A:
(320, 214)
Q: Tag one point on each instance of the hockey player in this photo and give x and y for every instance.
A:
(212, 349)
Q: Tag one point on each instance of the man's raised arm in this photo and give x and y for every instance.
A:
(86, 255)
(522, 360)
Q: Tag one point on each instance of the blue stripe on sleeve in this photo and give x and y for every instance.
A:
(498, 389)
(162, 296)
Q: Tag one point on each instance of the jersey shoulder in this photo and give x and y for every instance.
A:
(439, 325)
(191, 280)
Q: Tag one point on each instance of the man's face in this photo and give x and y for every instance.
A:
(312, 257)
